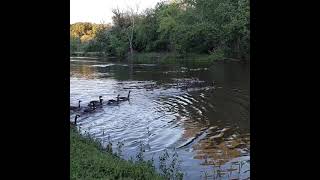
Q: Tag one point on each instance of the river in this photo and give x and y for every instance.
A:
(202, 114)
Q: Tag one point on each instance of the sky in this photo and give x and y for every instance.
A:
(98, 11)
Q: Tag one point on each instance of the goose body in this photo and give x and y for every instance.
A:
(125, 98)
(91, 104)
(114, 102)
(96, 103)
(89, 109)
(74, 108)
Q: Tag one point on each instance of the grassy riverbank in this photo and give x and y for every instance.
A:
(89, 161)
(173, 58)
(169, 58)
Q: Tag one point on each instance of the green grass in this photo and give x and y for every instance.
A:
(201, 60)
(89, 161)
(154, 58)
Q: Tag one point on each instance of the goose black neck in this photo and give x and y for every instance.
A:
(75, 120)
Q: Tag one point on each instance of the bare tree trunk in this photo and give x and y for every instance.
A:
(131, 49)
(131, 37)
(130, 32)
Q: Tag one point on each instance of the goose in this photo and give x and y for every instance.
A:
(75, 119)
(73, 108)
(114, 102)
(91, 104)
(125, 98)
(89, 109)
(95, 103)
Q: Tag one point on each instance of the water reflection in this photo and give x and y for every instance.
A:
(171, 107)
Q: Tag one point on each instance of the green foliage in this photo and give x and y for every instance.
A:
(217, 55)
(87, 161)
(88, 37)
(139, 156)
(117, 45)
(74, 43)
(182, 26)
(170, 169)
(146, 35)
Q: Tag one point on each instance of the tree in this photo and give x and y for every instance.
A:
(181, 26)
(125, 21)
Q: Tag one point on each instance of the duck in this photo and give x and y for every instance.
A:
(96, 103)
(125, 98)
(73, 108)
(75, 119)
(114, 102)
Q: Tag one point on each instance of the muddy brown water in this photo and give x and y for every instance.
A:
(203, 114)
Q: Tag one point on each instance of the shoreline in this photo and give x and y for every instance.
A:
(167, 58)
(88, 160)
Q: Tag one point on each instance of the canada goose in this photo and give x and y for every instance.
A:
(125, 98)
(89, 109)
(91, 104)
(76, 107)
(95, 103)
(114, 102)
(75, 119)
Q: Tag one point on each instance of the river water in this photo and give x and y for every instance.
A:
(202, 114)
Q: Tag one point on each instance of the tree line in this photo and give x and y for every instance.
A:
(180, 26)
